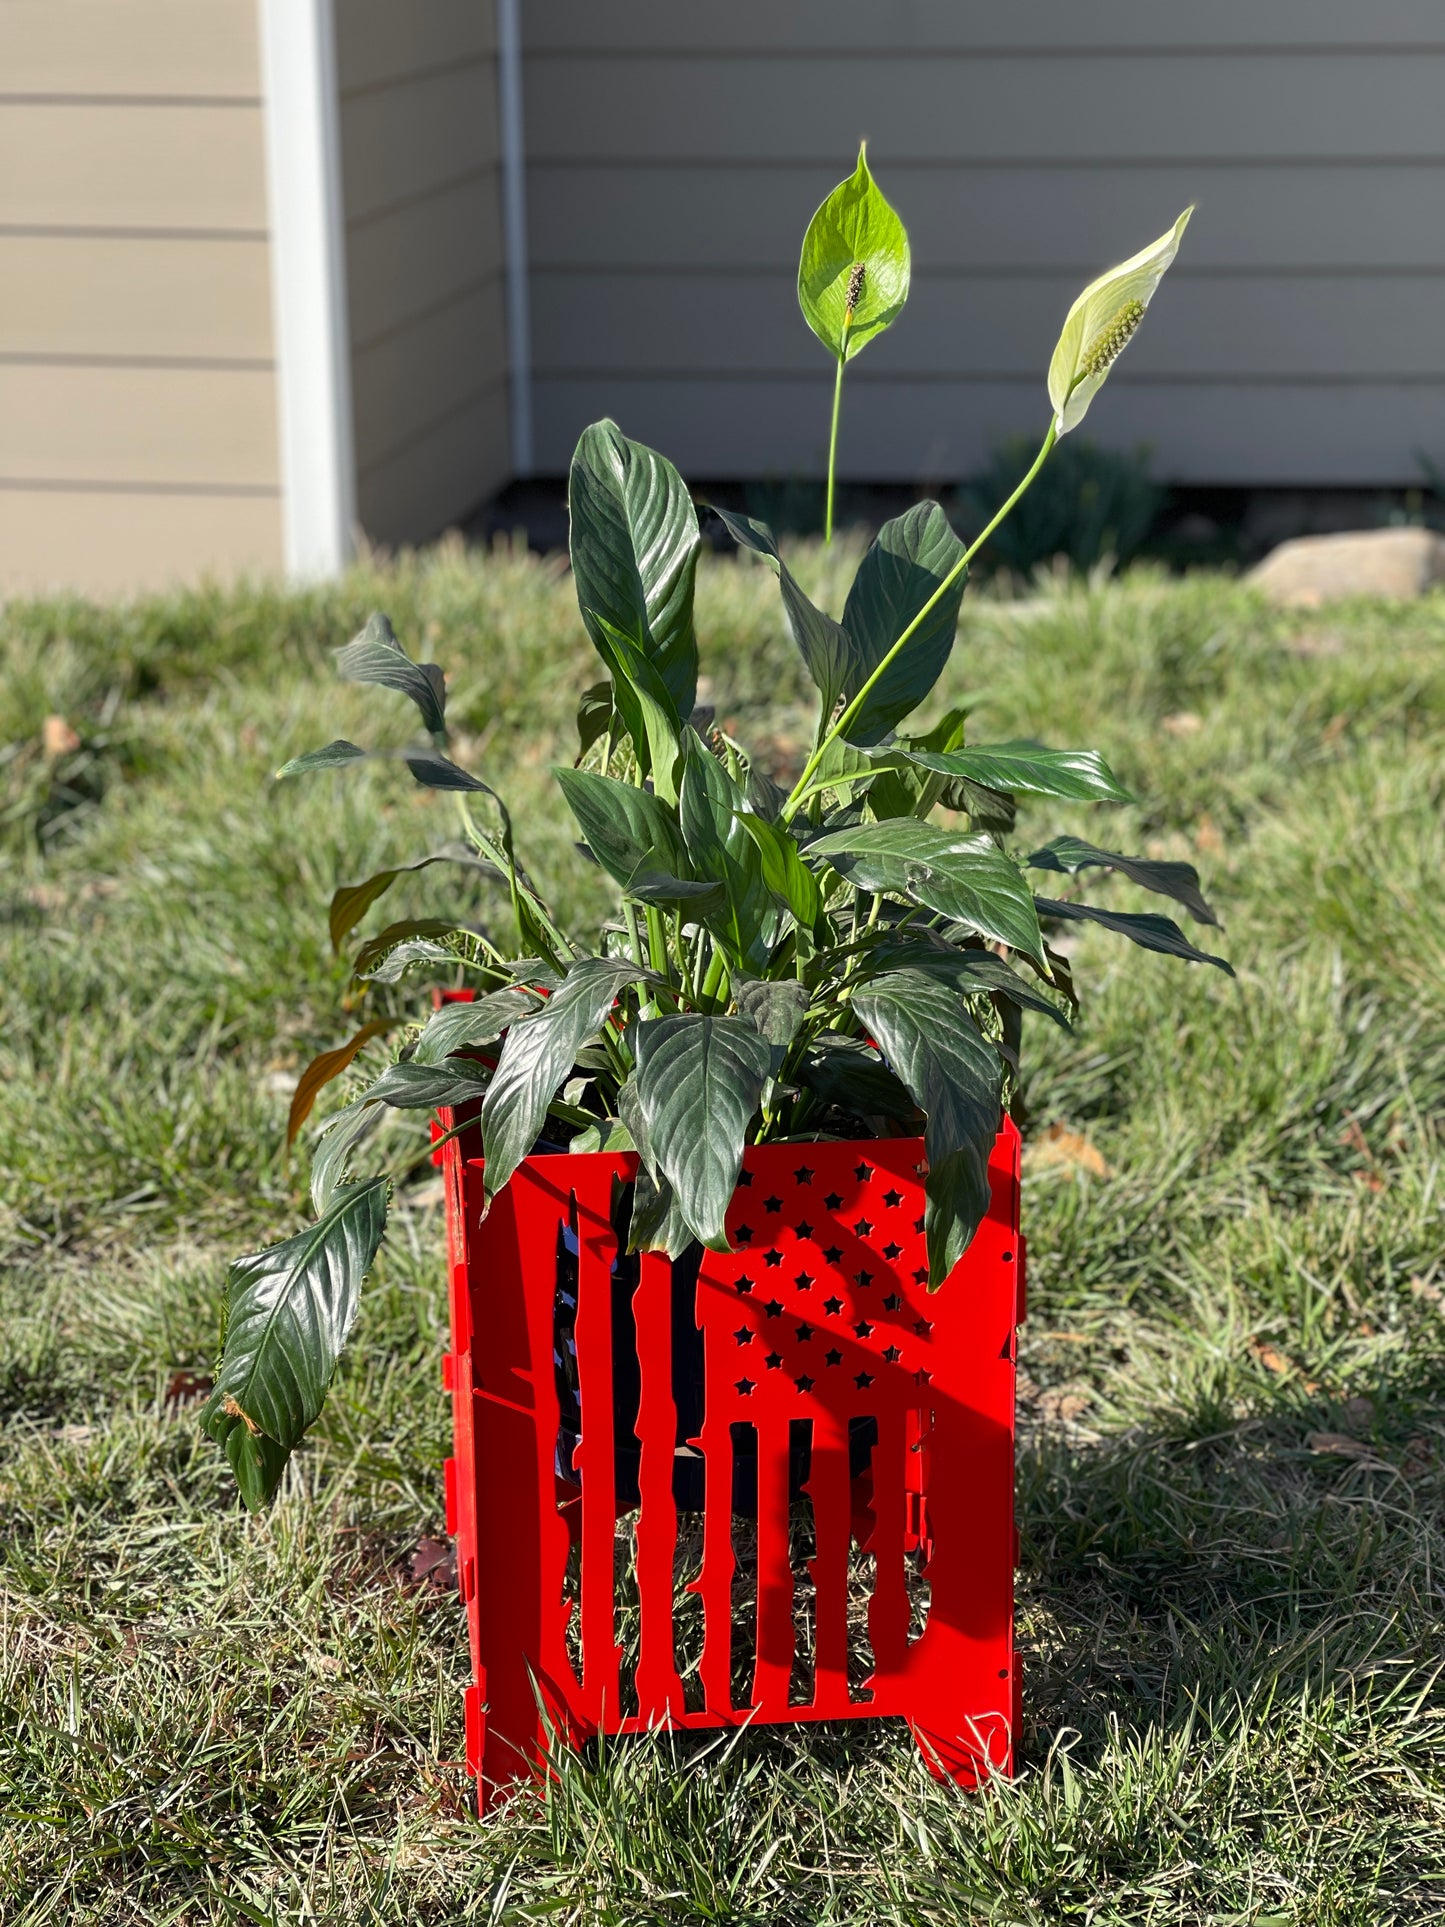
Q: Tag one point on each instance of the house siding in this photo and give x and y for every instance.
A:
(421, 176)
(675, 155)
(137, 383)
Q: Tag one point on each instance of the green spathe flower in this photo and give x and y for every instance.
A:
(854, 268)
(1101, 322)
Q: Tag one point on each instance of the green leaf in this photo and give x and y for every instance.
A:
(699, 1081)
(720, 849)
(960, 875)
(428, 1087)
(1077, 775)
(825, 647)
(436, 772)
(954, 1074)
(351, 902)
(594, 716)
(288, 1312)
(1177, 880)
(408, 956)
(854, 227)
(377, 947)
(1151, 932)
(908, 562)
(677, 893)
(776, 1007)
(785, 875)
(338, 1138)
(626, 828)
(334, 756)
(608, 1134)
(656, 1222)
(971, 972)
(538, 1057)
(468, 1026)
(635, 544)
(323, 1068)
(375, 656)
(644, 705)
(852, 1077)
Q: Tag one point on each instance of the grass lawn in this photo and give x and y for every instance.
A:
(1232, 1455)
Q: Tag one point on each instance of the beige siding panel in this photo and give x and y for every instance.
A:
(414, 376)
(91, 164)
(172, 426)
(1215, 433)
(412, 139)
(113, 295)
(130, 47)
(1032, 108)
(382, 41)
(890, 26)
(398, 265)
(974, 218)
(984, 325)
(441, 476)
(102, 544)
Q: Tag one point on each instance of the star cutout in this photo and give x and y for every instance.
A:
(862, 1329)
(863, 1172)
(893, 1199)
(922, 1327)
(833, 1255)
(804, 1281)
(892, 1355)
(922, 1378)
(862, 1228)
(892, 1302)
(744, 1335)
(863, 1278)
(832, 1306)
(773, 1361)
(918, 1224)
(774, 1205)
(773, 1308)
(892, 1251)
(745, 1386)
(920, 1277)
(745, 1178)
(744, 1284)
(833, 1357)
(804, 1384)
(773, 1258)
(744, 1234)
(803, 1175)
(805, 1332)
(863, 1381)
(804, 1230)
(833, 1202)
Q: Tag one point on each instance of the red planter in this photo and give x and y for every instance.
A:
(844, 1432)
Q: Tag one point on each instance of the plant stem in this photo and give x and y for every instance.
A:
(855, 708)
(833, 434)
(717, 971)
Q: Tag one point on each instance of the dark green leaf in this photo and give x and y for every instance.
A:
(1079, 775)
(831, 659)
(352, 901)
(627, 829)
(377, 947)
(929, 1039)
(785, 875)
(428, 1087)
(677, 893)
(972, 972)
(908, 563)
(288, 1312)
(776, 1007)
(643, 703)
(468, 1026)
(699, 1081)
(847, 1074)
(854, 226)
(958, 874)
(334, 756)
(1177, 880)
(375, 656)
(436, 772)
(719, 848)
(594, 716)
(635, 543)
(339, 1137)
(1142, 927)
(538, 1057)
(408, 956)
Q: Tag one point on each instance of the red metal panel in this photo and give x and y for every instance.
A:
(659, 1689)
(601, 1654)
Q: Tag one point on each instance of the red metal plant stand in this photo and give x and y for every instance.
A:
(830, 1379)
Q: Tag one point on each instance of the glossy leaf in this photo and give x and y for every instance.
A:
(906, 565)
(970, 971)
(377, 947)
(827, 650)
(333, 756)
(854, 228)
(634, 544)
(375, 656)
(775, 1006)
(428, 1087)
(594, 716)
(1077, 775)
(846, 1073)
(340, 1136)
(538, 1057)
(785, 875)
(351, 902)
(608, 1134)
(960, 875)
(435, 772)
(468, 1026)
(720, 849)
(407, 956)
(288, 1312)
(646, 708)
(953, 1072)
(1150, 931)
(627, 829)
(698, 1082)
(328, 1065)
(1177, 880)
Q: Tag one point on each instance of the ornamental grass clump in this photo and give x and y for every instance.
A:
(844, 958)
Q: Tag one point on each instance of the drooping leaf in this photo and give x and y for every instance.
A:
(711, 808)
(635, 544)
(351, 902)
(960, 875)
(594, 716)
(825, 646)
(1177, 880)
(1077, 775)
(699, 1080)
(677, 893)
(375, 656)
(937, 1050)
(333, 756)
(905, 567)
(377, 947)
(428, 1087)
(288, 1312)
(971, 971)
(1145, 928)
(435, 772)
(848, 1074)
(855, 228)
(538, 1057)
(339, 1137)
(323, 1068)
(468, 1026)
(627, 829)
(411, 955)
(776, 1006)
(656, 1222)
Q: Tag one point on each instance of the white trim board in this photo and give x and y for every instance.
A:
(308, 285)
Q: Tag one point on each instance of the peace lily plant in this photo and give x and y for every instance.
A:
(845, 958)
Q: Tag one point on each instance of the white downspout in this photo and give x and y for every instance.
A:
(308, 285)
(514, 229)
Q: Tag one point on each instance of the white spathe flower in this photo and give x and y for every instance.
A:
(1101, 322)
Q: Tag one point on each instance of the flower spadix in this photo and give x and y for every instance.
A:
(1102, 322)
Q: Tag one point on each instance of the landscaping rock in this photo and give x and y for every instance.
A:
(1393, 564)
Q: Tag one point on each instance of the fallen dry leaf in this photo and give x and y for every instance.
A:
(1430, 1294)
(1208, 839)
(435, 1563)
(184, 1387)
(1059, 1146)
(1064, 1404)
(1340, 1445)
(1276, 1361)
(1183, 723)
(57, 737)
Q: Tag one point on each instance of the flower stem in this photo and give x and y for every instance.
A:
(855, 708)
(833, 436)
